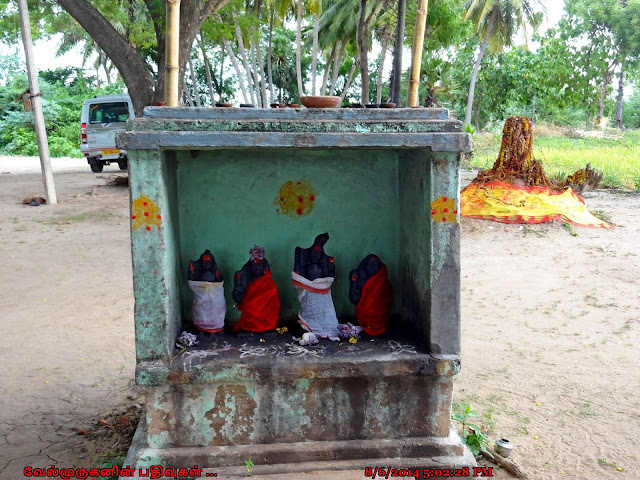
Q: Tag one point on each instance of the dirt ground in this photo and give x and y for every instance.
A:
(551, 326)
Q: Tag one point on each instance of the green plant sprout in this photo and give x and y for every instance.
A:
(249, 466)
(471, 434)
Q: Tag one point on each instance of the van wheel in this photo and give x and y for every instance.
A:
(122, 165)
(96, 167)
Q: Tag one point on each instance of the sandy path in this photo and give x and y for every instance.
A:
(548, 318)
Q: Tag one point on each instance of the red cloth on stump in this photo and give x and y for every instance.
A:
(374, 308)
(260, 306)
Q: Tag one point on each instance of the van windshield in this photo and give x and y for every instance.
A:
(109, 112)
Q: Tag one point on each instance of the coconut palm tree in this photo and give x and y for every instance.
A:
(349, 18)
(497, 22)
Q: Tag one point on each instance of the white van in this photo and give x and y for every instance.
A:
(101, 118)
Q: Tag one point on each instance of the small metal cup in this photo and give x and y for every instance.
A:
(503, 447)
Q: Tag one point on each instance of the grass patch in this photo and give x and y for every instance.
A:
(616, 156)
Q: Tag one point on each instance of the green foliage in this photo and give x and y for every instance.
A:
(471, 434)
(110, 460)
(64, 90)
(249, 466)
(631, 112)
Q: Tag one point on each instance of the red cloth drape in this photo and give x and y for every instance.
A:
(374, 308)
(260, 306)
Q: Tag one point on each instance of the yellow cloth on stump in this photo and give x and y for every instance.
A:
(508, 203)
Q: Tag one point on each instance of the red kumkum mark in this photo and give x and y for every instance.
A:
(145, 203)
(300, 199)
(146, 214)
(159, 217)
(331, 259)
(148, 227)
(312, 198)
(133, 217)
(444, 219)
(299, 211)
(316, 247)
(353, 277)
(444, 199)
(433, 212)
(445, 210)
(238, 275)
(206, 258)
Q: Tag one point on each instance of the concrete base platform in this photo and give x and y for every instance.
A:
(314, 459)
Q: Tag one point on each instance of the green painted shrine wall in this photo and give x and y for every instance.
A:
(414, 180)
(225, 202)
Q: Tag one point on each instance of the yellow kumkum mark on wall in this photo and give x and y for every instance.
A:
(145, 213)
(444, 210)
(296, 198)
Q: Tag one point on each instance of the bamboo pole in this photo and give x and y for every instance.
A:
(172, 69)
(416, 58)
(36, 104)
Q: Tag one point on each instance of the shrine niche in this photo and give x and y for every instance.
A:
(364, 193)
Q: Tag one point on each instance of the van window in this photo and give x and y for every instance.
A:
(109, 112)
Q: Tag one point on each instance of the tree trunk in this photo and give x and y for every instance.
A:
(620, 105)
(396, 96)
(299, 48)
(185, 94)
(207, 69)
(127, 59)
(104, 61)
(336, 66)
(603, 94)
(416, 53)
(533, 108)
(361, 40)
(130, 63)
(194, 80)
(383, 55)
(221, 76)
(255, 77)
(327, 69)
(476, 68)
(263, 83)
(477, 112)
(234, 62)
(245, 62)
(314, 58)
(348, 84)
(269, 54)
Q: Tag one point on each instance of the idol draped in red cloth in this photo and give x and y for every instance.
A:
(260, 306)
(374, 307)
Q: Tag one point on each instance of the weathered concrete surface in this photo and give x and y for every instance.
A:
(185, 128)
(315, 460)
(302, 399)
(300, 114)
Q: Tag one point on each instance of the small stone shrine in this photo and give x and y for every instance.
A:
(381, 181)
